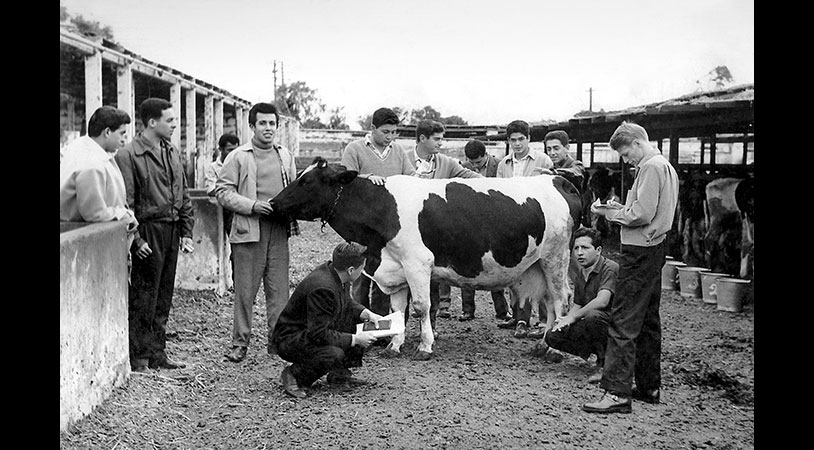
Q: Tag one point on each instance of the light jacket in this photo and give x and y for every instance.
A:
(650, 204)
(539, 164)
(236, 190)
(91, 187)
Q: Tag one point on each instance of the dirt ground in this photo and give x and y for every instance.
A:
(481, 389)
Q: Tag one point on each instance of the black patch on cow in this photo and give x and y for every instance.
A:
(460, 229)
(572, 196)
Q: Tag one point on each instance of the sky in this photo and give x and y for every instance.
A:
(489, 62)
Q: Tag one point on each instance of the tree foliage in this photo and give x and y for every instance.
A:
(412, 117)
(85, 26)
(301, 102)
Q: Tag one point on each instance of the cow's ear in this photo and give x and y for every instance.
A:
(346, 176)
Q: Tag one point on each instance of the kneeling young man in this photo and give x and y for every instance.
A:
(316, 331)
(584, 330)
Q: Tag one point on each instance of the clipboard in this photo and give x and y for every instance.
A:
(390, 325)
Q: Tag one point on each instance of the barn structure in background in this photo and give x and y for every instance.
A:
(95, 71)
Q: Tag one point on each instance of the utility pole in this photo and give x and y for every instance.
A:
(274, 71)
(590, 99)
(282, 72)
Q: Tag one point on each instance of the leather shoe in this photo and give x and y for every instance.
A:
(466, 316)
(237, 354)
(290, 385)
(444, 313)
(609, 404)
(508, 324)
(166, 363)
(652, 396)
(503, 318)
(521, 330)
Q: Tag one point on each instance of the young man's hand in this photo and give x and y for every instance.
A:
(364, 338)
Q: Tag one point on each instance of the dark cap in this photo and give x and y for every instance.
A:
(385, 116)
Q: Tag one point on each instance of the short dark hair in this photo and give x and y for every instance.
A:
(474, 149)
(596, 238)
(348, 254)
(263, 108)
(106, 117)
(428, 127)
(228, 138)
(152, 108)
(517, 126)
(384, 116)
(559, 135)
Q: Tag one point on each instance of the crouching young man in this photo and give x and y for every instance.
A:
(316, 331)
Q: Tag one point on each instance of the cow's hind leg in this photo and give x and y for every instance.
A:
(398, 302)
(555, 270)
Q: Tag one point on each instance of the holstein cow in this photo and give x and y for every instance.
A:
(482, 233)
(729, 240)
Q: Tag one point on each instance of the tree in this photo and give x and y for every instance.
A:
(336, 121)
(86, 26)
(427, 112)
(453, 120)
(405, 117)
(299, 101)
(716, 78)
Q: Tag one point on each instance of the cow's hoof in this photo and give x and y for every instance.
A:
(389, 353)
(421, 355)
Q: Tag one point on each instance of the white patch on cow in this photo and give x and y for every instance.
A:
(540, 275)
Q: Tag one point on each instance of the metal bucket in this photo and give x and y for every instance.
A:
(731, 292)
(689, 279)
(669, 275)
(709, 286)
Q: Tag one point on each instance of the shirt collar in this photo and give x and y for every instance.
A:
(529, 155)
(600, 261)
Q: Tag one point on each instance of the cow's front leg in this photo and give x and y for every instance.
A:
(398, 302)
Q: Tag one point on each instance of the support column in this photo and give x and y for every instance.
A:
(175, 99)
(93, 85)
(239, 124)
(191, 137)
(124, 96)
(218, 118)
(205, 154)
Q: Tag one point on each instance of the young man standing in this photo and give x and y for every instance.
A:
(522, 161)
(157, 191)
(584, 330)
(376, 157)
(253, 174)
(226, 144)
(316, 331)
(634, 336)
(91, 187)
(429, 163)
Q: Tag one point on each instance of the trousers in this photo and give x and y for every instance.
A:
(498, 298)
(152, 284)
(634, 333)
(266, 261)
(584, 337)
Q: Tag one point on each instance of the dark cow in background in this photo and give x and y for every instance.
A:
(482, 233)
(606, 184)
(691, 221)
(729, 240)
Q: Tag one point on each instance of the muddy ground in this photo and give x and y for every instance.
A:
(480, 390)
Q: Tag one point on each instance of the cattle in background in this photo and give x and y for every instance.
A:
(481, 233)
(729, 240)
(691, 224)
(606, 184)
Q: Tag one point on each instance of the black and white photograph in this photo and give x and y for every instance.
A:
(449, 224)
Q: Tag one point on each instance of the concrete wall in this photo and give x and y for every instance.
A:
(93, 334)
(208, 266)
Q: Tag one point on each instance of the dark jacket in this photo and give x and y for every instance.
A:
(155, 194)
(320, 312)
(488, 170)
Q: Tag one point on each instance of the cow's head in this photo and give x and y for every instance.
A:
(314, 193)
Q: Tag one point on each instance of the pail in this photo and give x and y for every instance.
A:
(669, 275)
(689, 279)
(731, 292)
(709, 286)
